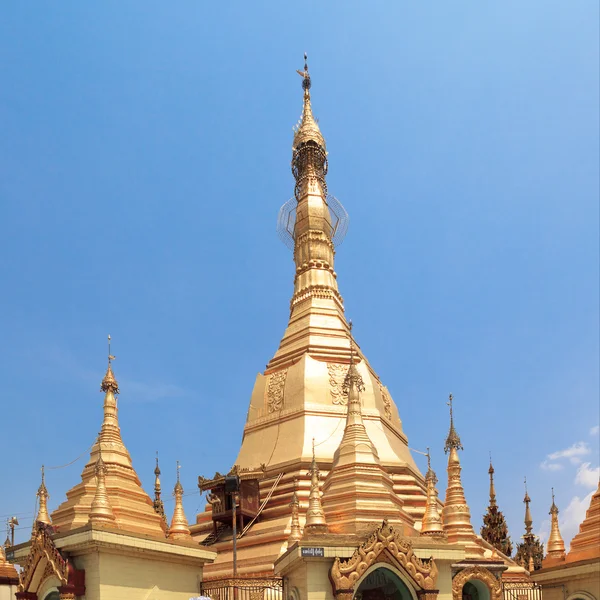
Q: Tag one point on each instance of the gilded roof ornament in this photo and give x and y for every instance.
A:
(307, 129)
(353, 378)
(453, 440)
(432, 521)
(295, 530)
(315, 516)
(101, 511)
(43, 495)
(179, 526)
(531, 551)
(494, 529)
(556, 544)
(158, 504)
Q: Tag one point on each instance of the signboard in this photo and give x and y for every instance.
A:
(313, 552)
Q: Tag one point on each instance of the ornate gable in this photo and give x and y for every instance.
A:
(385, 545)
(46, 560)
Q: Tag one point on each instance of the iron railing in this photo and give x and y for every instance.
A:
(521, 590)
(244, 588)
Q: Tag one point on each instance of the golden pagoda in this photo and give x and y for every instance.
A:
(344, 510)
(106, 541)
(579, 570)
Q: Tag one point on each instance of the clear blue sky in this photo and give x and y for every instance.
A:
(144, 154)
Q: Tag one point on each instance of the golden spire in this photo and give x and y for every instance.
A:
(456, 514)
(494, 529)
(159, 506)
(42, 494)
(432, 522)
(110, 431)
(179, 526)
(315, 517)
(295, 531)
(101, 511)
(307, 129)
(556, 545)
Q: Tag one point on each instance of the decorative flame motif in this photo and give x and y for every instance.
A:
(275, 390)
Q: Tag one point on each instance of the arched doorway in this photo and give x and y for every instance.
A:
(475, 589)
(52, 596)
(382, 584)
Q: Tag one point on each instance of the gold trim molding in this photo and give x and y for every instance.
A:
(481, 574)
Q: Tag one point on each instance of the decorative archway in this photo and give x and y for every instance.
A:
(476, 575)
(385, 547)
(45, 561)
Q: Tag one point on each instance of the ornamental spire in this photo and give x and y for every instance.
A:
(315, 517)
(43, 495)
(295, 531)
(432, 521)
(101, 511)
(452, 440)
(158, 504)
(110, 431)
(456, 513)
(556, 545)
(494, 529)
(528, 519)
(492, 488)
(531, 551)
(179, 526)
(307, 129)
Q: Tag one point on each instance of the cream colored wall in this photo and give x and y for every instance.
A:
(318, 586)
(135, 578)
(444, 580)
(588, 583)
(7, 592)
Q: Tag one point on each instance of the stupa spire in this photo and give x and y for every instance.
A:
(295, 530)
(43, 495)
(494, 529)
(456, 514)
(159, 506)
(312, 224)
(315, 517)
(556, 545)
(133, 509)
(432, 521)
(357, 489)
(101, 511)
(179, 526)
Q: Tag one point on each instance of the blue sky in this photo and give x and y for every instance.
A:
(144, 154)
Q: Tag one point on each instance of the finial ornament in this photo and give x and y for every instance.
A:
(109, 383)
(43, 495)
(531, 550)
(453, 440)
(353, 378)
(305, 75)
